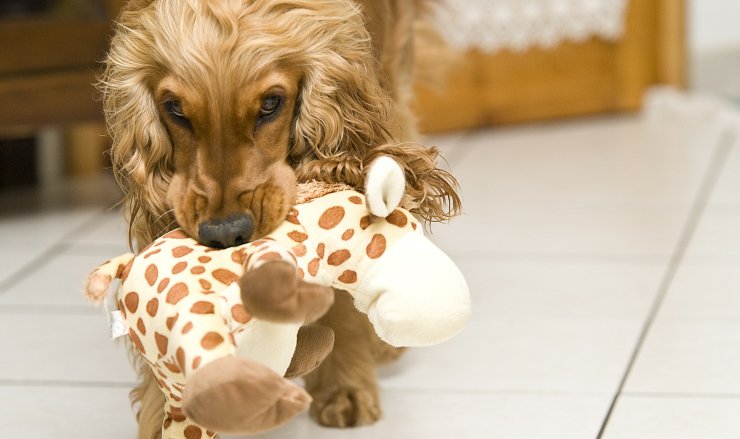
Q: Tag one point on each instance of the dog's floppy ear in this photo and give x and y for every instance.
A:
(343, 110)
(141, 148)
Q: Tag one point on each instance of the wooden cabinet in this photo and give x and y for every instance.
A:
(572, 79)
(48, 63)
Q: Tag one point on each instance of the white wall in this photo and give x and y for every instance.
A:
(713, 24)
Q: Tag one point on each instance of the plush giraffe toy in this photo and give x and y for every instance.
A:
(204, 318)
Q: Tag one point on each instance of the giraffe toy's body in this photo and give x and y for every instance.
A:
(183, 305)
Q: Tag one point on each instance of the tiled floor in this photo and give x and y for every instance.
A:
(604, 261)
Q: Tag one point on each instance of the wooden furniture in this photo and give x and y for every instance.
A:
(48, 65)
(572, 79)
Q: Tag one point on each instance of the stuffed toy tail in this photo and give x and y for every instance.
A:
(98, 283)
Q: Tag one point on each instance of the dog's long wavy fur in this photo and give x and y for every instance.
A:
(352, 107)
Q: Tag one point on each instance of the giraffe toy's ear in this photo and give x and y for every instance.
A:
(384, 186)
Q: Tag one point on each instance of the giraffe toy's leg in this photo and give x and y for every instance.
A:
(223, 392)
(240, 396)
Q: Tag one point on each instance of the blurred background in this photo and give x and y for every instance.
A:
(596, 146)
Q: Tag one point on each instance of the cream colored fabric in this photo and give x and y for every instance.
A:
(493, 25)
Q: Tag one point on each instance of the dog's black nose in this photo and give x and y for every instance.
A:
(227, 232)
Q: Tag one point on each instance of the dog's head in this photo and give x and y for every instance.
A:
(212, 105)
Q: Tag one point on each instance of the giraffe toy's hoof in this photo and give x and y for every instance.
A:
(239, 396)
(274, 293)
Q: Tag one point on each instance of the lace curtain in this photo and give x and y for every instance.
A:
(492, 25)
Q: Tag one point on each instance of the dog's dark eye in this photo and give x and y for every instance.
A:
(270, 105)
(174, 108)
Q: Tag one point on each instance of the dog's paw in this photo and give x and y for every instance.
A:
(346, 408)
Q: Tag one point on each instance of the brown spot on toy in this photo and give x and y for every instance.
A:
(180, 355)
(140, 326)
(202, 307)
(413, 226)
(225, 276)
(211, 340)
(204, 259)
(300, 273)
(300, 250)
(177, 293)
(126, 270)
(177, 414)
(152, 306)
(348, 277)
(348, 234)
(365, 222)
(193, 432)
(354, 199)
(152, 253)
(313, 266)
(238, 256)
(171, 321)
(196, 362)
(181, 251)
(151, 274)
(132, 301)
(176, 234)
(179, 267)
(292, 217)
(320, 249)
(187, 328)
(239, 313)
(205, 284)
(331, 217)
(338, 257)
(163, 284)
(198, 269)
(376, 248)
(297, 236)
(137, 342)
(162, 341)
(397, 218)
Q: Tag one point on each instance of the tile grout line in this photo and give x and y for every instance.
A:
(684, 395)
(713, 172)
(45, 256)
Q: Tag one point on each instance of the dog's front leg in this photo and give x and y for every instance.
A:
(344, 388)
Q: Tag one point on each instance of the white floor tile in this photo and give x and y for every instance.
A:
(617, 161)
(530, 228)
(61, 348)
(641, 417)
(451, 145)
(614, 186)
(566, 290)
(41, 229)
(522, 353)
(725, 195)
(15, 259)
(704, 293)
(110, 230)
(60, 281)
(689, 358)
(468, 416)
(717, 236)
(66, 412)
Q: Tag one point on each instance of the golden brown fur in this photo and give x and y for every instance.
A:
(185, 87)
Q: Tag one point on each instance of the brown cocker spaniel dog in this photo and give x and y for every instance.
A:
(216, 106)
